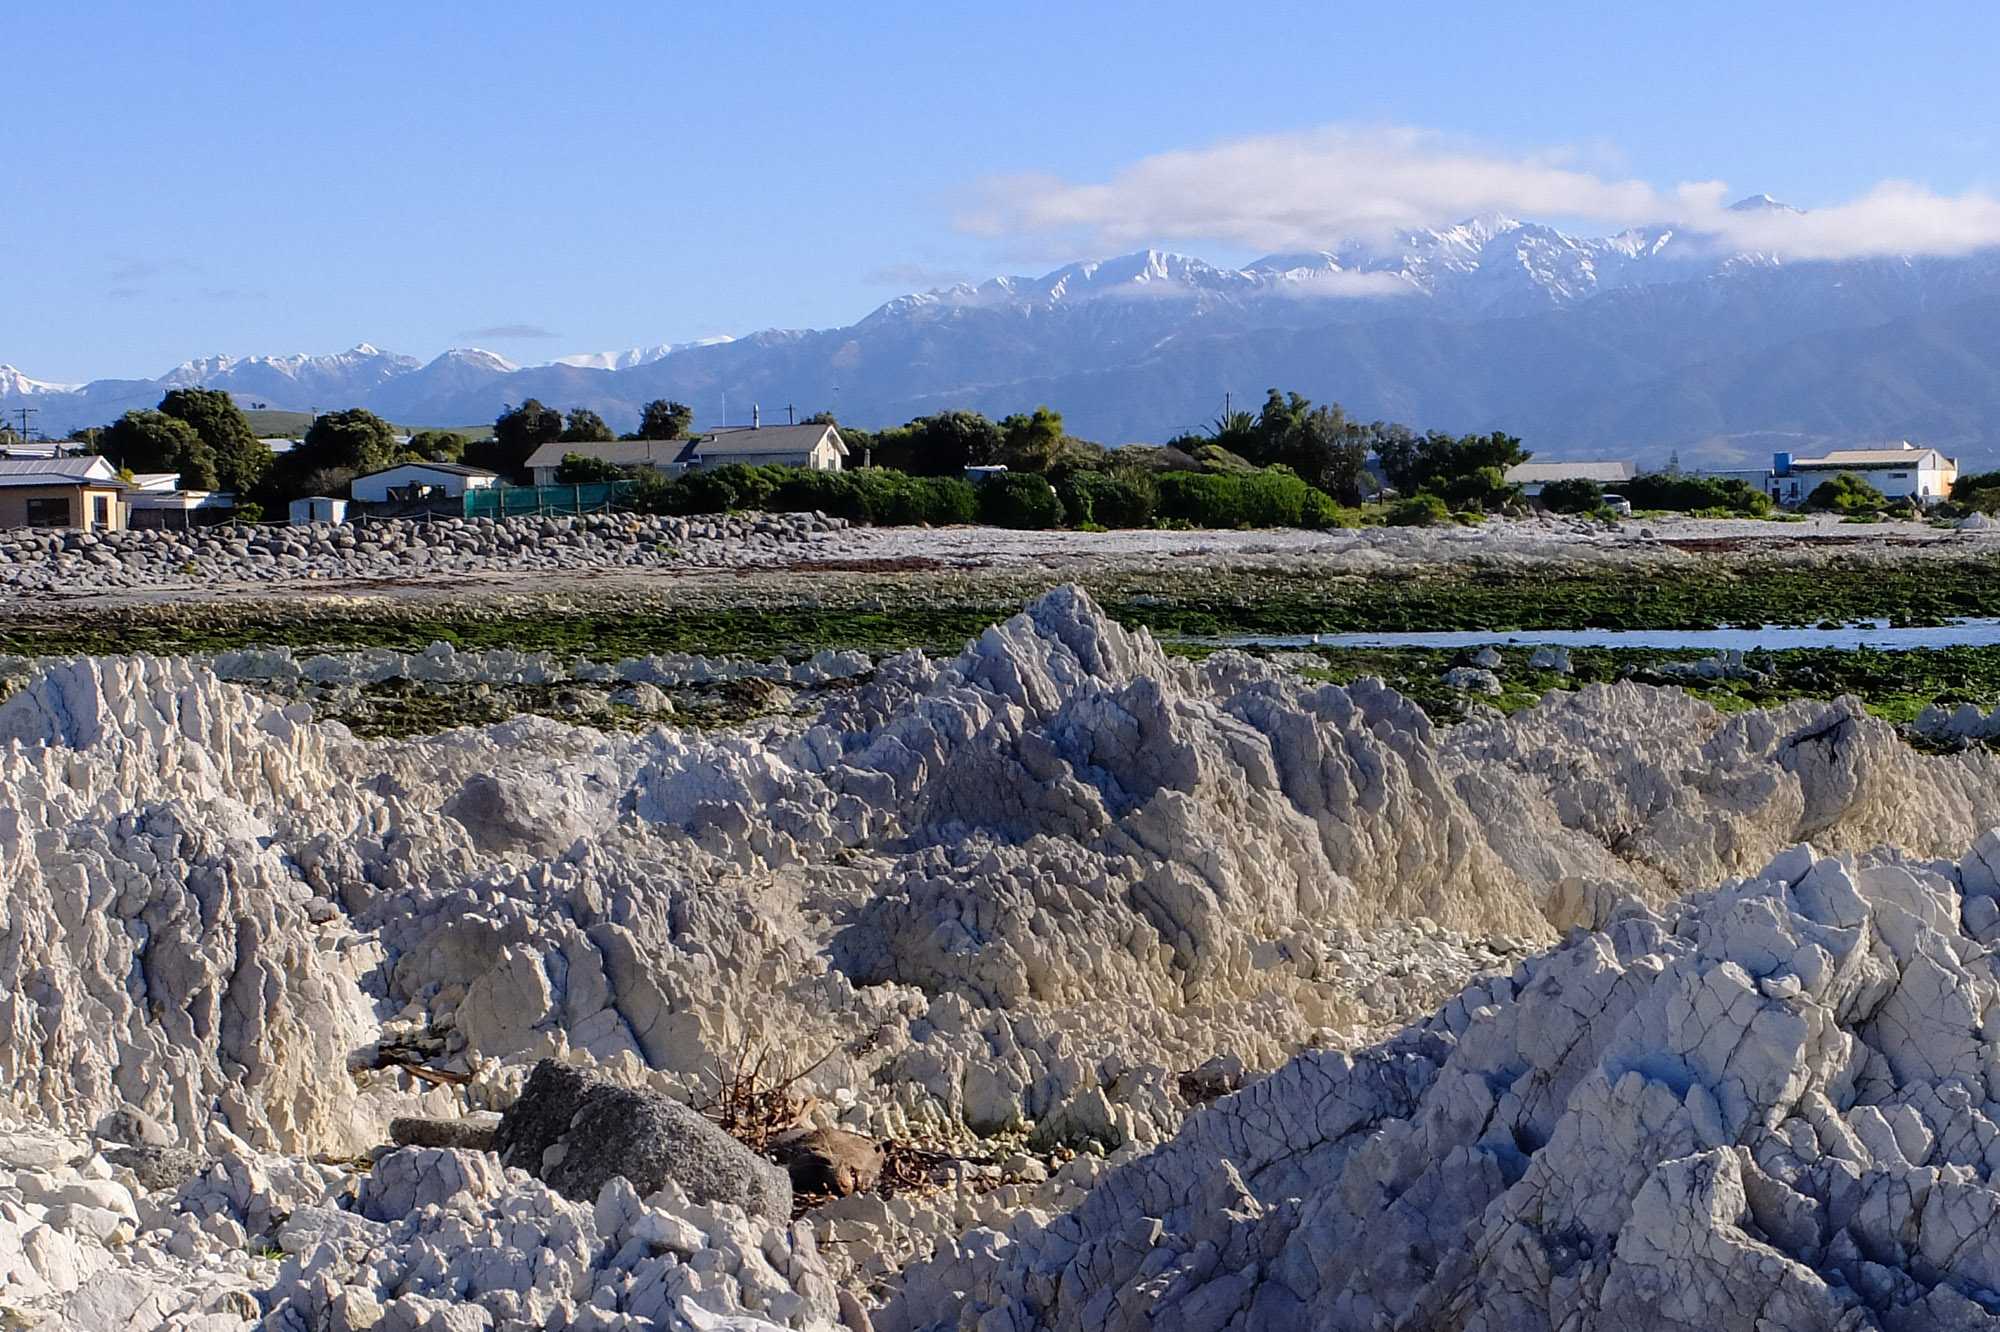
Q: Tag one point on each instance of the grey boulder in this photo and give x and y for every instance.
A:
(576, 1132)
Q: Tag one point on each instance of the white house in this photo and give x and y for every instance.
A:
(318, 509)
(415, 479)
(1896, 470)
(155, 499)
(819, 447)
(631, 454)
(1532, 476)
(816, 446)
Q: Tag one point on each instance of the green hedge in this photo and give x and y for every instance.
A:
(1106, 501)
(1019, 499)
(1686, 494)
(1274, 497)
(864, 495)
(1845, 493)
(1572, 494)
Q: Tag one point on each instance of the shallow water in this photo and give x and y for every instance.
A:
(1875, 634)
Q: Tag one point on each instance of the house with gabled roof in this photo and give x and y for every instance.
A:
(79, 491)
(1897, 470)
(819, 447)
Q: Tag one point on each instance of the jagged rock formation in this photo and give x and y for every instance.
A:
(1039, 885)
(1024, 885)
(1767, 1107)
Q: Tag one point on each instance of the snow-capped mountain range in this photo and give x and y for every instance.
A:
(1628, 345)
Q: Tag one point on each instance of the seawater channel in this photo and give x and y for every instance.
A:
(1768, 638)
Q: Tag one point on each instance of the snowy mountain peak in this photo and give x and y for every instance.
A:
(476, 358)
(12, 382)
(625, 360)
(1759, 203)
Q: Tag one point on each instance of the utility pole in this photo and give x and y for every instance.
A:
(24, 413)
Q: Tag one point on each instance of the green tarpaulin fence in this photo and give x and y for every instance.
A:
(533, 501)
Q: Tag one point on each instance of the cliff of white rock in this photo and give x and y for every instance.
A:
(1773, 1106)
(1024, 885)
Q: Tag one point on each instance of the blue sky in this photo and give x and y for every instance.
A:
(200, 178)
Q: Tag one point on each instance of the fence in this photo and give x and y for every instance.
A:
(534, 501)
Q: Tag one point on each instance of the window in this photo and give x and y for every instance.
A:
(100, 511)
(1899, 476)
(48, 512)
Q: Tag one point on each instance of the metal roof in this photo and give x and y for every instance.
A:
(449, 469)
(770, 439)
(1904, 456)
(84, 467)
(1541, 473)
(624, 452)
(89, 470)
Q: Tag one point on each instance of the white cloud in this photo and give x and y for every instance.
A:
(1895, 218)
(1318, 188)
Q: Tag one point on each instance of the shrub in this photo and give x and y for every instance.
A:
(1481, 488)
(1020, 500)
(1321, 510)
(706, 492)
(1844, 494)
(1573, 494)
(1978, 491)
(1273, 497)
(1108, 501)
(1419, 510)
(1972, 482)
(877, 495)
(578, 469)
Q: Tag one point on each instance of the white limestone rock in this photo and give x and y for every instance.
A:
(1766, 1108)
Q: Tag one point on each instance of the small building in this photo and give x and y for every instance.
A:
(819, 447)
(420, 480)
(61, 492)
(318, 509)
(1897, 470)
(984, 471)
(1532, 476)
(634, 455)
(156, 500)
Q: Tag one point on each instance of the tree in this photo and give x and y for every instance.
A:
(152, 441)
(354, 440)
(660, 419)
(585, 427)
(338, 447)
(580, 470)
(438, 445)
(1463, 469)
(516, 435)
(241, 459)
(947, 444)
(1321, 444)
(1031, 442)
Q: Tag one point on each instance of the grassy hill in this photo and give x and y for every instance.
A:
(271, 424)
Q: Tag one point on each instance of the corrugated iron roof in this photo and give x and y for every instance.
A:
(1541, 473)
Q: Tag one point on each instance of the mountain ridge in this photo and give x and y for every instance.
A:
(1637, 344)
